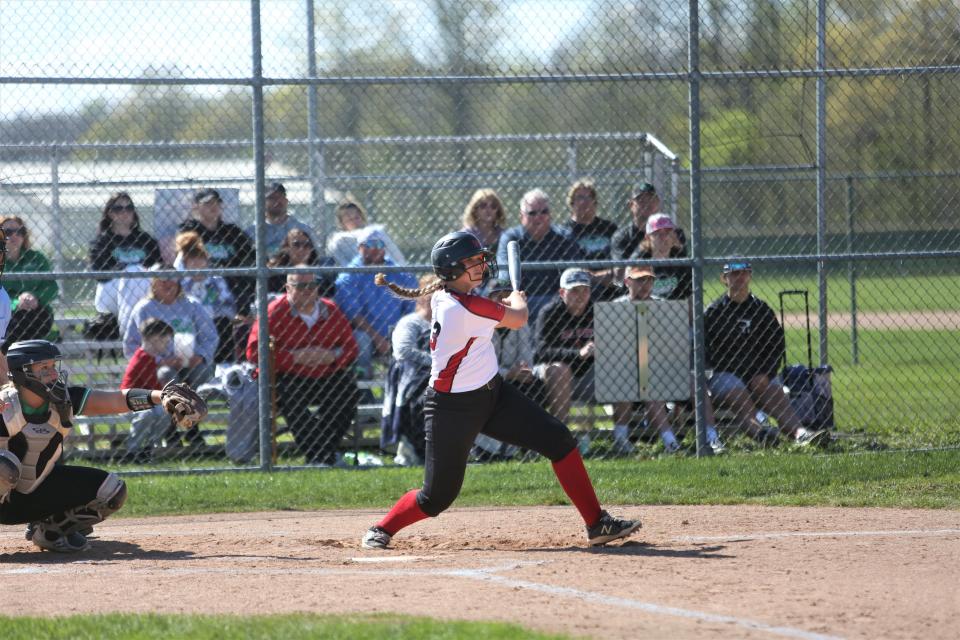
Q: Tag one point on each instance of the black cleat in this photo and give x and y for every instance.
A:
(609, 529)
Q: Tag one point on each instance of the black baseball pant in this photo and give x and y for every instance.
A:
(497, 409)
(67, 487)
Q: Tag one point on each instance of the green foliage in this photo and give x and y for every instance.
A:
(289, 627)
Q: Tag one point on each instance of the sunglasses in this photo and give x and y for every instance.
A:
(301, 244)
(117, 208)
(539, 212)
(303, 285)
(18, 231)
(374, 244)
(583, 198)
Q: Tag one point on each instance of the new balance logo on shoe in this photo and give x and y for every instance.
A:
(609, 528)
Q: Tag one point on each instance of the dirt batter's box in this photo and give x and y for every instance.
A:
(642, 351)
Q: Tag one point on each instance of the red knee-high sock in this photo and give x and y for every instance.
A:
(403, 514)
(576, 483)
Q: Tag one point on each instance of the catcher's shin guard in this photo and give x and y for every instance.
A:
(110, 497)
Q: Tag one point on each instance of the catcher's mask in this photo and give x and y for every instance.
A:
(25, 353)
(453, 249)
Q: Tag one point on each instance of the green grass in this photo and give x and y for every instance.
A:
(903, 390)
(901, 479)
(288, 627)
(886, 292)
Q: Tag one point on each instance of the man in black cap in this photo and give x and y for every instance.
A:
(745, 345)
(227, 245)
(279, 221)
(644, 202)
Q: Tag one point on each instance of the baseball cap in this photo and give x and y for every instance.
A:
(207, 195)
(736, 265)
(639, 271)
(372, 236)
(276, 187)
(642, 189)
(574, 277)
(659, 221)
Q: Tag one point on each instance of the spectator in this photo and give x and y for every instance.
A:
(565, 346)
(661, 241)
(191, 353)
(592, 233)
(644, 202)
(538, 241)
(30, 300)
(745, 344)
(402, 424)
(352, 220)
(315, 351)
(279, 221)
(211, 291)
(298, 248)
(227, 245)
(120, 245)
(639, 281)
(373, 311)
(149, 369)
(485, 218)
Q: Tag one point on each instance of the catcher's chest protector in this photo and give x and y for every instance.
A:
(38, 446)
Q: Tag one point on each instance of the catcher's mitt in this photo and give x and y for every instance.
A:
(183, 403)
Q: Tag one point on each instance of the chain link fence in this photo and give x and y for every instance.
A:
(821, 179)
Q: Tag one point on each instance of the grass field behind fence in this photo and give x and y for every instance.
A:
(893, 479)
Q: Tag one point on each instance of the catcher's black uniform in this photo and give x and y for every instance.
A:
(65, 486)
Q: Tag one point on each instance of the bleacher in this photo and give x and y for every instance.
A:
(100, 365)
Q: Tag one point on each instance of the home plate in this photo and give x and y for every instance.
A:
(391, 559)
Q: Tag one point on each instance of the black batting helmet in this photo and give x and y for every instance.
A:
(451, 250)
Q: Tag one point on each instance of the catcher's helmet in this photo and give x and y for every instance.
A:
(27, 352)
(21, 355)
(451, 250)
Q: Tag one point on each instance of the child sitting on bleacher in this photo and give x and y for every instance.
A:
(146, 370)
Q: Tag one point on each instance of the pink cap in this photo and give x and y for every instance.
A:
(659, 221)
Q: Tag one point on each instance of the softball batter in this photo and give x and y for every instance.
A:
(467, 396)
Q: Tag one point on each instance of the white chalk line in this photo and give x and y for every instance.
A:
(489, 574)
(817, 534)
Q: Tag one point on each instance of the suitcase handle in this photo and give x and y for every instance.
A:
(806, 304)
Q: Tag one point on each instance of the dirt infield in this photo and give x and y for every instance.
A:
(882, 321)
(691, 572)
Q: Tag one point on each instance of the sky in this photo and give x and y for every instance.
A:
(210, 39)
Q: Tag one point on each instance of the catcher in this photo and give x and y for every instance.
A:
(60, 502)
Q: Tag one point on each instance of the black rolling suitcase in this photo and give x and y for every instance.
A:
(808, 387)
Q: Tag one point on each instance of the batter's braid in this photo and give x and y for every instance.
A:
(435, 284)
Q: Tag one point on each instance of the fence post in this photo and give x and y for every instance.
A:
(572, 160)
(318, 199)
(696, 231)
(55, 213)
(822, 177)
(852, 272)
(263, 335)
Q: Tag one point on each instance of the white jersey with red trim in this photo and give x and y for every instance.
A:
(462, 355)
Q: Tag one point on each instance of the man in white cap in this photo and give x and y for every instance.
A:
(373, 311)
(564, 336)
